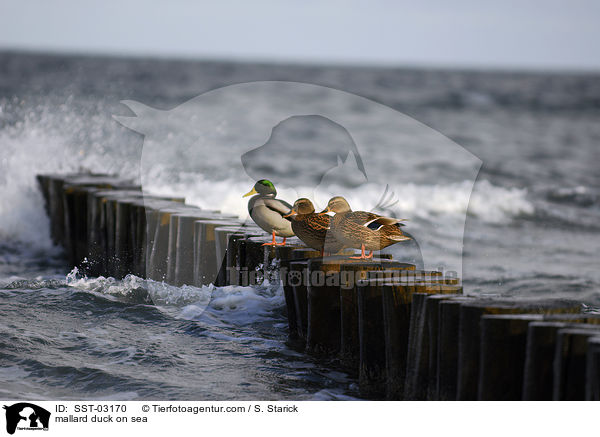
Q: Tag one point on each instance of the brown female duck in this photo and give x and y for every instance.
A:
(312, 228)
(362, 230)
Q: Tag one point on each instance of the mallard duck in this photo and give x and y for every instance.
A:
(360, 229)
(269, 212)
(312, 228)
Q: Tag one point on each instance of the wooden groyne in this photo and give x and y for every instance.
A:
(406, 334)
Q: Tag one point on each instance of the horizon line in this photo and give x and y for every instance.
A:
(302, 61)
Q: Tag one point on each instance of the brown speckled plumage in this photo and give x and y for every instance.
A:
(312, 228)
(351, 228)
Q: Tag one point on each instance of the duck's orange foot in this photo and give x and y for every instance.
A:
(362, 254)
(274, 242)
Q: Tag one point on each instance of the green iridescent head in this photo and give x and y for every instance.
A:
(263, 187)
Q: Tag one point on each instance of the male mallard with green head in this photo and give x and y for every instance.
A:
(362, 230)
(268, 212)
(312, 228)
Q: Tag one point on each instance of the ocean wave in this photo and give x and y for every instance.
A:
(51, 137)
(230, 304)
(487, 202)
(577, 196)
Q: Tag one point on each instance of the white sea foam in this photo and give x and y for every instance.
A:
(487, 202)
(49, 139)
(231, 304)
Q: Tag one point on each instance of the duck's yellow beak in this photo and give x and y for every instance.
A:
(325, 211)
(250, 193)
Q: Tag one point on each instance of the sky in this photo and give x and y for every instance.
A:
(531, 34)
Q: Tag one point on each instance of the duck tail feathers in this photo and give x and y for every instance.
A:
(399, 237)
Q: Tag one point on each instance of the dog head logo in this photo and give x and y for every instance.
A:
(315, 142)
(26, 416)
(289, 156)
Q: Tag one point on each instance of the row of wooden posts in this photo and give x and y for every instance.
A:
(406, 334)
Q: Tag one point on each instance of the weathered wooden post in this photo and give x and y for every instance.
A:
(539, 357)
(258, 257)
(285, 255)
(124, 244)
(180, 267)
(323, 306)
(396, 301)
(222, 235)
(447, 358)
(417, 357)
(352, 272)
(205, 255)
(297, 278)
(470, 339)
(236, 256)
(432, 328)
(158, 221)
(592, 378)
(372, 347)
(56, 208)
(570, 363)
(75, 222)
(503, 347)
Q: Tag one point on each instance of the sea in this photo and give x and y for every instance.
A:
(496, 172)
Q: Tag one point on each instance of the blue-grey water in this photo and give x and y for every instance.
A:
(532, 226)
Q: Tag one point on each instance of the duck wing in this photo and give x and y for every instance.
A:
(319, 222)
(373, 221)
(279, 206)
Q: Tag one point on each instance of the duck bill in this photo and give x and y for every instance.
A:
(325, 211)
(292, 212)
(250, 193)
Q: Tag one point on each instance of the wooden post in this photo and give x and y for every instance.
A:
(158, 221)
(351, 272)
(180, 267)
(123, 234)
(222, 236)
(75, 222)
(44, 185)
(503, 347)
(592, 384)
(205, 257)
(372, 347)
(236, 256)
(323, 303)
(142, 234)
(96, 234)
(396, 302)
(286, 254)
(540, 348)
(469, 335)
(56, 207)
(418, 349)
(258, 256)
(447, 358)
(297, 278)
(432, 329)
(570, 363)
